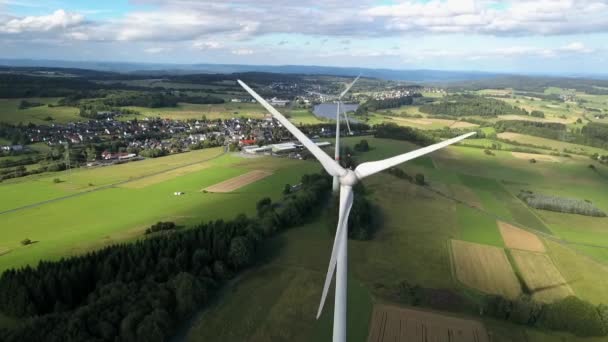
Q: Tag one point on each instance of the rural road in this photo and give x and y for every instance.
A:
(104, 187)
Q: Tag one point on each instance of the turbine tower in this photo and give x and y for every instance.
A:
(347, 179)
(336, 183)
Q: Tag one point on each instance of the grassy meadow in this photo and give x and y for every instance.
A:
(118, 213)
(412, 244)
(10, 112)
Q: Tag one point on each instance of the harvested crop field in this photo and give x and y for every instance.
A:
(239, 182)
(539, 157)
(161, 177)
(390, 323)
(541, 276)
(518, 238)
(485, 268)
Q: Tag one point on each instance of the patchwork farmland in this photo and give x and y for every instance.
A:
(485, 268)
(541, 276)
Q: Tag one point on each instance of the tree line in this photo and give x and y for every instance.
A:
(142, 291)
(373, 105)
(470, 105)
(592, 134)
(560, 204)
(569, 314)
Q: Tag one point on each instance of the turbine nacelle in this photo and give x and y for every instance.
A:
(349, 179)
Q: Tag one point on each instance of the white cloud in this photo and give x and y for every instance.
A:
(58, 20)
(242, 52)
(156, 50)
(543, 17)
(206, 45)
(576, 47)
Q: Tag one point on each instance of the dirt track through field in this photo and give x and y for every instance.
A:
(541, 276)
(395, 324)
(518, 238)
(485, 268)
(239, 181)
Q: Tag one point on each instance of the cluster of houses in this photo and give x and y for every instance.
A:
(9, 148)
(280, 148)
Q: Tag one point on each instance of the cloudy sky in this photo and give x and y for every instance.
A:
(561, 36)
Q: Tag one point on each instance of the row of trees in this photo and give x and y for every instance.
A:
(569, 314)
(141, 291)
(393, 131)
(470, 105)
(560, 204)
(373, 105)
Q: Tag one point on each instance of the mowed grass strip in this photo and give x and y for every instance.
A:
(395, 324)
(478, 227)
(239, 182)
(541, 276)
(518, 238)
(161, 177)
(484, 268)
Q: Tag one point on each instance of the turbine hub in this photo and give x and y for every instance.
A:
(350, 178)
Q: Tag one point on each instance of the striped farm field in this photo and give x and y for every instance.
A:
(395, 324)
(541, 276)
(518, 238)
(485, 268)
(239, 182)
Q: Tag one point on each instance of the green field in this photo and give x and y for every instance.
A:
(304, 117)
(287, 291)
(550, 143)
(77, 224)
(411, 244)
(186, 111)
(10, 112)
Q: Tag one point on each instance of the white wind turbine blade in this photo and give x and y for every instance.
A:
(370, 168)
(347, 123)
(349, 86)
(340, 99)
(346, 203)
(331, 166)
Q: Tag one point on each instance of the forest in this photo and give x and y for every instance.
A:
(470, 105)
(142, 291)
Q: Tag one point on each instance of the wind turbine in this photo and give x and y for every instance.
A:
(347, 179)
(336, 182)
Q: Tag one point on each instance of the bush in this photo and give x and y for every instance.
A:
(160, 226)
(533, 161)
(56, 180)
(26, 242)
(560, 204)
(419, 178)
(573, 315)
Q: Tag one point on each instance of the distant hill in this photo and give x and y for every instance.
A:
(172, 69)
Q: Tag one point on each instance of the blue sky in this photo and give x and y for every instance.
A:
(546, 36)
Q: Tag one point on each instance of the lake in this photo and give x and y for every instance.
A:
(328, 110)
